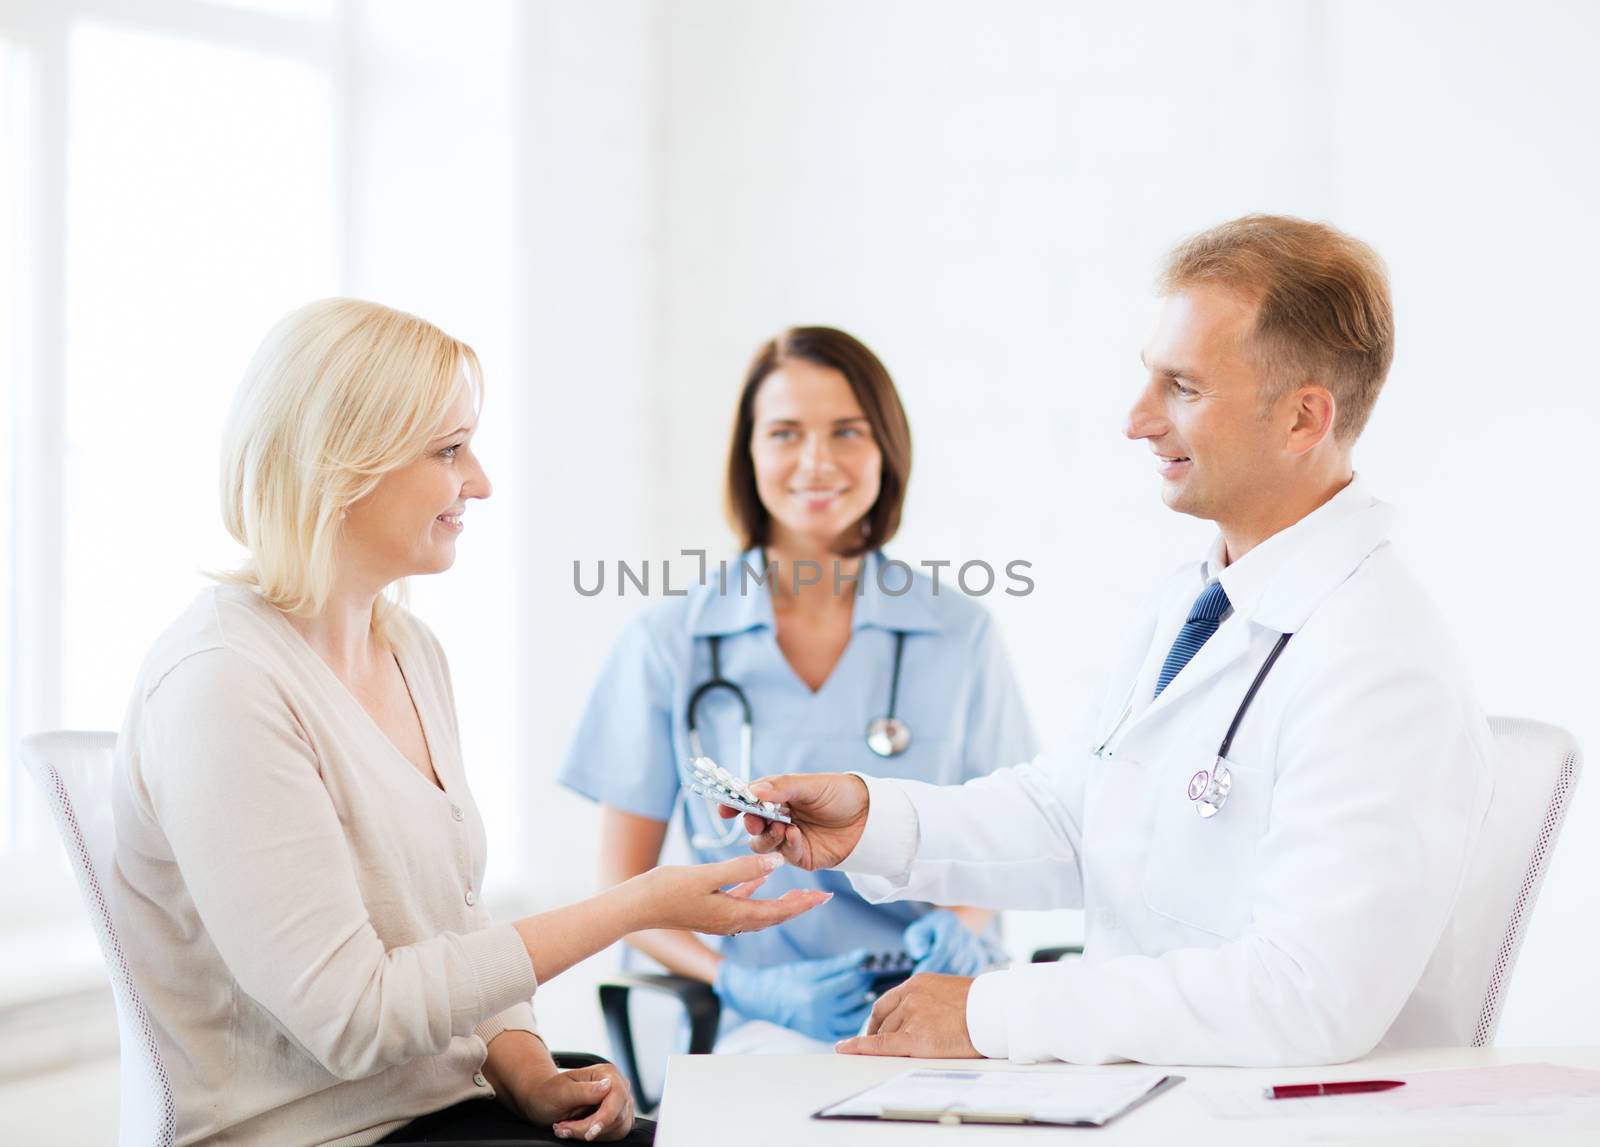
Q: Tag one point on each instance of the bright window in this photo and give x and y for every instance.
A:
(10, 365)
(321, 9)
(200, 208)
(168, 188)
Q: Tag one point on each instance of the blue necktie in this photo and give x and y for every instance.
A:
(1204, 617)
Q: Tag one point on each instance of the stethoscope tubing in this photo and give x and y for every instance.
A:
(1238, 714)
(718, 681)
(1250, 694)
(894, 678)
(1209, 787)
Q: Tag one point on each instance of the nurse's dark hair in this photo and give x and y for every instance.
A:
(870, 382)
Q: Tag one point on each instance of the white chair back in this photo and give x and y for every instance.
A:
(74, 772)
(1535, 770)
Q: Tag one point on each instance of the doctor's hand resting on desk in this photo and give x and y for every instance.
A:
(1271, 829)
(828, 999)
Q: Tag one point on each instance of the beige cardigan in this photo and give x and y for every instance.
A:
(301, 908)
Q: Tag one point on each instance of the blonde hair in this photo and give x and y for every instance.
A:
(1324, 316)
(339, 393)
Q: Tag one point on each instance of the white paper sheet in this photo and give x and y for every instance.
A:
(1046, 1097)
(1511, 1091)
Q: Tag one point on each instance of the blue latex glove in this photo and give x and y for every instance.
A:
(940, 942)
(824, 999)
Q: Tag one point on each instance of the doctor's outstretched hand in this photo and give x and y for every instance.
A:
(829, 811)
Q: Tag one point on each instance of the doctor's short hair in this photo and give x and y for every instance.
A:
(339, 393)
(880, 402)
(1325, 317)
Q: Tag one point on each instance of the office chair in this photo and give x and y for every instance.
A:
(1535, 770)
(74, 772)
(698, 1001)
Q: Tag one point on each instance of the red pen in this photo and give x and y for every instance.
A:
(1344, 1087)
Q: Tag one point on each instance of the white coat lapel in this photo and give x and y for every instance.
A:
(1315, 569)
(1308, 562)
(1121, 698)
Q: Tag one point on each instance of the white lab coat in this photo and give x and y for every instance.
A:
(1303, 923)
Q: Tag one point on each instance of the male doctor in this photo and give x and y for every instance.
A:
(1290, 904)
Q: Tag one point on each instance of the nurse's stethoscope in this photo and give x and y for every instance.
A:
(888, 736)
(1209, 788)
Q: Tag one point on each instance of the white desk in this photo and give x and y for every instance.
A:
(767, 1101)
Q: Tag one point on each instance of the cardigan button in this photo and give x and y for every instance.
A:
(472, 898)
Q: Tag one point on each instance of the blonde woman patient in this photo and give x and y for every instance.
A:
(299, 859)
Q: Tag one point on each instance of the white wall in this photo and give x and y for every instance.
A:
(983, 193)
(434, 218)
(591, 224)
(1463, 137)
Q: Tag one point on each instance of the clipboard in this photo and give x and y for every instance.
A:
(1121, 1092)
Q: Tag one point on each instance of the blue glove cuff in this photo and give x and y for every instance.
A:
(724, 982)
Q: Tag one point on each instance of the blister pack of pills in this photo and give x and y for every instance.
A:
(715, 783)
(888, 969)
(888, 963)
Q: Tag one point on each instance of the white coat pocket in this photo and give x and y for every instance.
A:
(1200, 871)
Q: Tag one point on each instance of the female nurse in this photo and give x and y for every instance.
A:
(820, 636)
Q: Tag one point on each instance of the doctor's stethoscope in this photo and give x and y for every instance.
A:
(887, 736)
(1209, 788)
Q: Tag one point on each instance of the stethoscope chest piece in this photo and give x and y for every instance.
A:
(888, 736)
(1209, 788)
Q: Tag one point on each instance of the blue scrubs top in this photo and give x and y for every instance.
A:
(957, 696)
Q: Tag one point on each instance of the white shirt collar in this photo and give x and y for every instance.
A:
(1281, 580)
